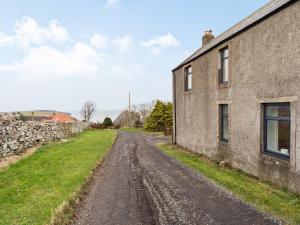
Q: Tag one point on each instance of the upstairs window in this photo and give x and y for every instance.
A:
(224, 66)
(224, 123)
(188, 78)
(277, 126)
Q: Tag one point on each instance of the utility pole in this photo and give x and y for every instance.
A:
(129, 103)
(129, 109)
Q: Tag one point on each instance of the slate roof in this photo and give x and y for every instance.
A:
(260, 14)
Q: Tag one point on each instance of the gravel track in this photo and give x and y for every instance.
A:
(139, 185)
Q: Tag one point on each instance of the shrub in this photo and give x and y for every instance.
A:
(107, 122)
(160, 117)
(97, 126)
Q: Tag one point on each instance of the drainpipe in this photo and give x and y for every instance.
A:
(174, 109)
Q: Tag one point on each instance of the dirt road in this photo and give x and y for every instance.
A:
(139, 185)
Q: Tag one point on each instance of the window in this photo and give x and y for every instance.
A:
(188, 78)
(224, 123)
(277, 126)
(224, 66)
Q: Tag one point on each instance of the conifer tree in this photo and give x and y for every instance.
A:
(160, 117)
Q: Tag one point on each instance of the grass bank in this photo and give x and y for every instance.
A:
(263, 196)
(33, 189)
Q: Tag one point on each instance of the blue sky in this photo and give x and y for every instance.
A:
(57, 54)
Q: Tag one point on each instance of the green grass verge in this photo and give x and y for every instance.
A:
(142, 130)
(33, 189)
(263, 196)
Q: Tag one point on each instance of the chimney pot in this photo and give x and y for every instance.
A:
(207, 37)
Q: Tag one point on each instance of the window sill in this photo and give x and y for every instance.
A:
(188, 92)
(223, 145)
(223, 85)
(224, 142)
(275, 156)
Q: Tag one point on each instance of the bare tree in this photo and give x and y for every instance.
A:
(134, 108)
(145, 109)
(88, 110)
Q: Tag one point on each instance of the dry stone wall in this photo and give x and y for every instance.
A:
(16, 135)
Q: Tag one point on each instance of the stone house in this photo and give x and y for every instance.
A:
(127, 119)
(236, 99)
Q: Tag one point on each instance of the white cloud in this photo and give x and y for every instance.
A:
(99, 40)
(122, 43)
(41, 59)
(158, 42)
(164, 41)
(28, 32)
(44, 61)
(49, 52)
(111, 3)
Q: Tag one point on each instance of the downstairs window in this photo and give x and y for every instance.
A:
(224, 122)
(277, 129)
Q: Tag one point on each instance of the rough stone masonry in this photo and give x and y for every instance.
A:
(17, 136)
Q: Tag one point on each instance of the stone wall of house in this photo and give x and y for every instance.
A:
(16, 135)
(264, 66)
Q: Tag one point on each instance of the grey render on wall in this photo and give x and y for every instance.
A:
(264, 67)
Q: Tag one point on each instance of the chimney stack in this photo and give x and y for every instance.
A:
(207, 37)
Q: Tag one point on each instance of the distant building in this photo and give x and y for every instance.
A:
(236, 99)
(47, 116)
(127, 119)
(61, 118)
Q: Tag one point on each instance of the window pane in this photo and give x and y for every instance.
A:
(224, 122)
(225, 110)
(188, 78)
(278, 110)
(225, 70)
(278, 136)
(225, 128)
(189, 81)
(224, 66)
(225, 53)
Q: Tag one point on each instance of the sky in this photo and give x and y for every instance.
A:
(58, 54)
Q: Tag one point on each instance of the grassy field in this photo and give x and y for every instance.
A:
(263, 196)
(32, 189)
